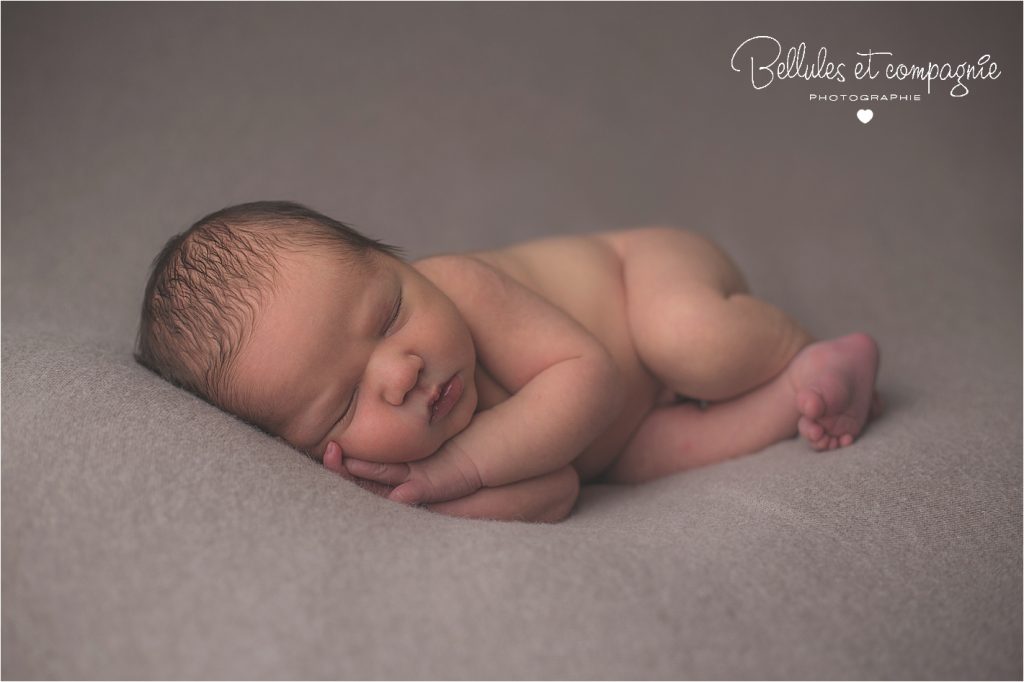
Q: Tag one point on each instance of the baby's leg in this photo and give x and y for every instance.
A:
(693, 322)
(826, 392)
(680, 437)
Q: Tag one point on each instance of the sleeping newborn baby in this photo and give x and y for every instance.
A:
(489, 384)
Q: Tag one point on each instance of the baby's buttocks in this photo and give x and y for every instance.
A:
(583, 277)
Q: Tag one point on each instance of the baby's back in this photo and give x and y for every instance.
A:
(582, 276)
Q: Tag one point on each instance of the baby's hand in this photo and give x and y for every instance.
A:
(448, 474)
(332, 461)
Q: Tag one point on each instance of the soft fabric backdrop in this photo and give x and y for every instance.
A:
(145, 534)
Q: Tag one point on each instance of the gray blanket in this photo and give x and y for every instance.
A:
(146, 534)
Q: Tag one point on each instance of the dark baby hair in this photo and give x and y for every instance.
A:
(207, 285)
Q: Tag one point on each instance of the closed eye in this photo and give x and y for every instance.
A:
(394, 314)
(349, 409)
(351, 404)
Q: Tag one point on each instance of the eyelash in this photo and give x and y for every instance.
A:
(351, 402)
(394, 315)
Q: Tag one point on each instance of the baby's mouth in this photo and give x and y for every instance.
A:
(444, 398)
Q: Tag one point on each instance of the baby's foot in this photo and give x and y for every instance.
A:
(834, 384)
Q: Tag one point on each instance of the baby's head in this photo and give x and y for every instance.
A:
(310, 331)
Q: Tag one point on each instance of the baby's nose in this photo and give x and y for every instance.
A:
(403, 379)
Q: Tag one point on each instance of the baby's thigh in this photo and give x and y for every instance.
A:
(667, 261)
(677, 286)
(682, 319)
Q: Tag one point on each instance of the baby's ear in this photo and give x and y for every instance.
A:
(332, 458)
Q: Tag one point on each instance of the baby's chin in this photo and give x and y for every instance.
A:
(423, 449)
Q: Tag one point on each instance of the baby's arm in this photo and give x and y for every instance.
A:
(565, 389)
(545, 499)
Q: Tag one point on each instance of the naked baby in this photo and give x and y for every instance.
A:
(490, 384)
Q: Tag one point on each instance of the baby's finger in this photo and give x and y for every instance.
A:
(389, 474)
(407, 493)
(448, 475)
(332, 460)
(374, 487)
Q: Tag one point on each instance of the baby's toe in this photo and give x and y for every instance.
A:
(845, 440)
(810, 429)
(821, 443)
(810, 403)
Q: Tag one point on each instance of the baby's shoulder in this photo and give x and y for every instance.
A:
(463, 276)
(532, 263)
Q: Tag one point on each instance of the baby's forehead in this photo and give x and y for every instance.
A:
(339, 264)
(341, 286)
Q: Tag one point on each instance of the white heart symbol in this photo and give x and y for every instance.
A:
(865, 115)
